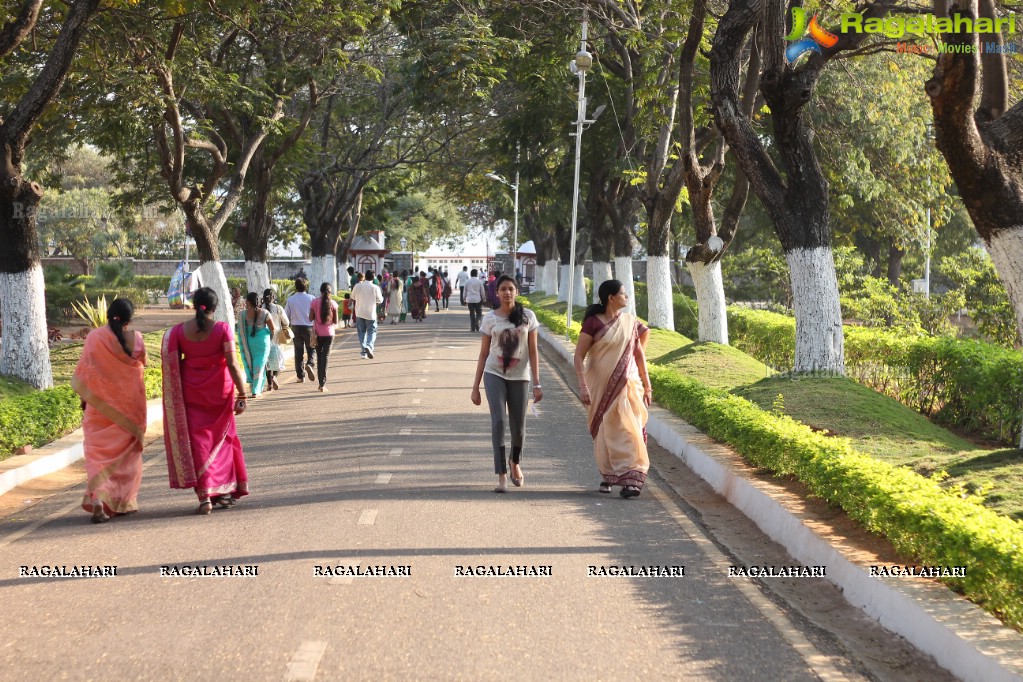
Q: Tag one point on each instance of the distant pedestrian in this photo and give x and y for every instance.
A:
(237, 301)
(255, 337)
(492, 298)
(446, 294)
(508, 356)
(353, 277)
(406, 285)
(610, 363)
(348, 310)
(460, 280)
(395, 299)
(475, 293)
(436, 289)
(297, 310)
(200, 375)
(323, 314)
(281, 322)
(419, 297)
(367, 297)
(109, 381)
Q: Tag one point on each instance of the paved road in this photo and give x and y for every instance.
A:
(392, 468)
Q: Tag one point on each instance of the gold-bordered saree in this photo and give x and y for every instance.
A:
(111, 383)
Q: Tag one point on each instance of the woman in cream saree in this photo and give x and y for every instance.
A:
(613, 383)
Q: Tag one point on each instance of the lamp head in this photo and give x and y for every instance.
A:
(583, 61)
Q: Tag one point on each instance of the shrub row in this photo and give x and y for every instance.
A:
(956, 382)
(42, 417)
(921, 519)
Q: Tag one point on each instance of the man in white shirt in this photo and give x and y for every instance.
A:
(474, 293)
(460, 281)
(367, 297)
(297, 310)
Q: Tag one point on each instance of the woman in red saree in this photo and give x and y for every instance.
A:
(614, 385)
(200, 375)
(108, 379)
(419, 297)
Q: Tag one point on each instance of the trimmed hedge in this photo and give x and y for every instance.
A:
(955, 382)
(935, 526)
(38, 418)
(42, 417)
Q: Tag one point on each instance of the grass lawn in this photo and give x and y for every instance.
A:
(876, 424)
(64, 358)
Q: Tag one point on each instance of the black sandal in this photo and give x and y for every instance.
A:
(205, 507)
(224, 501)
(605, 487)
(630, 491)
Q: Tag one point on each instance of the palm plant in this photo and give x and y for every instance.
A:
(94, 315)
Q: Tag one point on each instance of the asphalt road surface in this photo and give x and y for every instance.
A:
(391, 471)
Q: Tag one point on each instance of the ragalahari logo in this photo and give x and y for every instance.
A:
(818, 36)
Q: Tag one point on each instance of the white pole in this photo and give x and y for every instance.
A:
(515, 245)
(580, 118)
(927, 263)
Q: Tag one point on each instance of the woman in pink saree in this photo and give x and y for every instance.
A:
(610, 363)
(108, 379)
(200, 375)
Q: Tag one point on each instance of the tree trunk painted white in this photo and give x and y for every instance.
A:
(211, 274)
(623, 273)
(538, 279)
(257, 276)
(601, 273)
(819, 341)
(579, 288)
(562, 283)
(1006, 249)
(661, 312)
(550, 274)
(322, 270)
(710, 295)
(24, 350)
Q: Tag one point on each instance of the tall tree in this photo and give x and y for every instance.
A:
(795, 194)
(983, 144)
(24, 353)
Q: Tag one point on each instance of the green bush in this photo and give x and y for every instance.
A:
(153, 378)
(115, 273)
(159, 283)
(38, 418)
(934, 526)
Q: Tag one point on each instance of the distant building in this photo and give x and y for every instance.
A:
(368, 252)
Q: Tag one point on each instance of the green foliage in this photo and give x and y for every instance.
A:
(936, 526)
(94, 315)
(38, 418)
(115, 273)
(984, 294)
(758, 274)
(920, 518)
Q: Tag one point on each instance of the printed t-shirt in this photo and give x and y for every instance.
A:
(509, 346)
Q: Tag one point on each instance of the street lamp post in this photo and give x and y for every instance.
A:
(580, 65)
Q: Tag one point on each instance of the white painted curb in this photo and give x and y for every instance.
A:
(961, 637)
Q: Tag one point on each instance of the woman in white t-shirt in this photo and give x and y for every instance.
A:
(508, 358)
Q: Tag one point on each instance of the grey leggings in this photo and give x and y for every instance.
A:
(514, 394)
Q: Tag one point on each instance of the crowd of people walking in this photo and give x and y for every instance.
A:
(205, 386)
